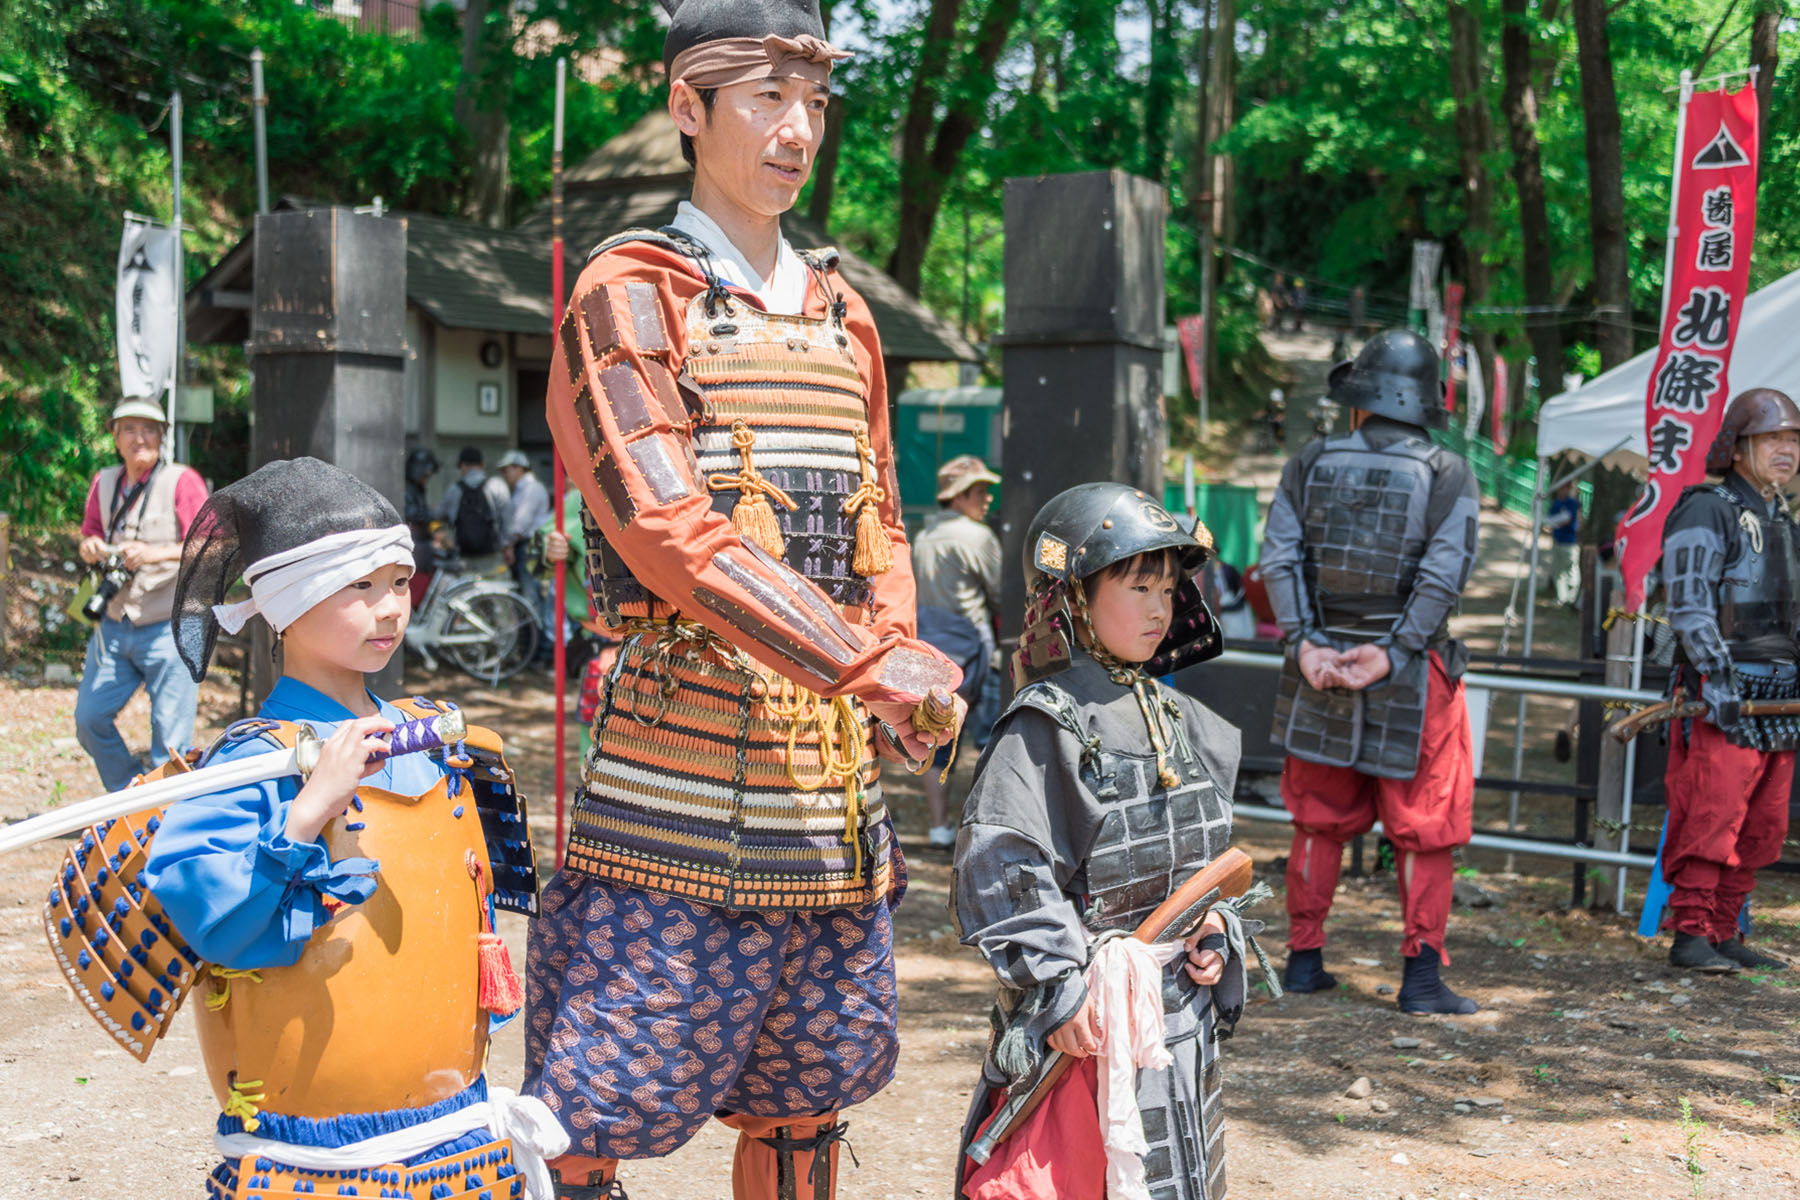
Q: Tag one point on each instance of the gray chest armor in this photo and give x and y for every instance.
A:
(1759, 595)
(1364, 528)
(1151, 838)
(1759, 611)
(1364, 523)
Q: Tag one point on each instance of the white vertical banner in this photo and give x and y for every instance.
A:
(1427, 257)
(146, 309)
(1477, 393)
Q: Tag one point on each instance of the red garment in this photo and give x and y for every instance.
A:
(1425, 817)
(1728, 815)
(1057, 1154)
(190, 494)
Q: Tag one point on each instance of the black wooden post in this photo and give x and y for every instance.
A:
(327, 356)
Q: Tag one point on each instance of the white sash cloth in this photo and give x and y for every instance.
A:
(536, 1137)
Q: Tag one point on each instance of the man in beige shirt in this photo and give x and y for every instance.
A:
(956, 568)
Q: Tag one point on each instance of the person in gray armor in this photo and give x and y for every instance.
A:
(1100, 793)
(1368, 545)
(1731, 564)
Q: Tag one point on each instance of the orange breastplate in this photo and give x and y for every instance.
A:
(381, 1011)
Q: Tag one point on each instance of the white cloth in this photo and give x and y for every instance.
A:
(284, 586)
(536, 1136)
(783, 292)
(1124, 983)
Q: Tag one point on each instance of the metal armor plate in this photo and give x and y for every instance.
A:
(1364, 528)
(1766, 681)
(1759, 595)
(1375, 730)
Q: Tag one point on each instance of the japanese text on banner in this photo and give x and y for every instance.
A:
(1715, 215)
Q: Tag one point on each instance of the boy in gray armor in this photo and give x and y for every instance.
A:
(1100, 793)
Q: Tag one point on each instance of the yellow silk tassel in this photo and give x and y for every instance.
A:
(874, 553)
(753, 515)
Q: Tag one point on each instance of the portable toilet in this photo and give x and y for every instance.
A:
(935, 426)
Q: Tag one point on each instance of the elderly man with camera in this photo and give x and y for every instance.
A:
(137, 515)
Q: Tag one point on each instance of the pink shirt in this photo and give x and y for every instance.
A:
(190, 494)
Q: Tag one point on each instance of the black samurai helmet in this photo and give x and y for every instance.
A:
(1085, 530)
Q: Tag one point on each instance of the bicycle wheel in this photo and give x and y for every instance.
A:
(491, 634)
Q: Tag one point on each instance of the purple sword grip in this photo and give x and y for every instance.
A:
(427, 733)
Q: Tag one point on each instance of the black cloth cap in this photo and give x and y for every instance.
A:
(275, 508)
(697, 22)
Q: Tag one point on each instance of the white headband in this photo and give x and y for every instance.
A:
(284, 586)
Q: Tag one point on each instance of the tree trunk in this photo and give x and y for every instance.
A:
(481, 97)
(1765, 55)
(1520, 103)
(1474, 135)
(1223, 108)
(1606, 184)
(1165, 63)
(929, 158)
(818, 209)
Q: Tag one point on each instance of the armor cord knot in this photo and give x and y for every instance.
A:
(874, 553)
(223, 976)
(753, 515)
(242, 1103)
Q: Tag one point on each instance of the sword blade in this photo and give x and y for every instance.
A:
(408, 737)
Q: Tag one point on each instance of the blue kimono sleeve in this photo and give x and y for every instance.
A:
(237, 888)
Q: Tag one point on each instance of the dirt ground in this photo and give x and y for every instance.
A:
(1572, 1080)
(1592, 1068)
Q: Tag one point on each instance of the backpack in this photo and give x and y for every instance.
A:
(477, 528)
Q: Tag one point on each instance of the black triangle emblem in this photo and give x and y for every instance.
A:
(1723, 151)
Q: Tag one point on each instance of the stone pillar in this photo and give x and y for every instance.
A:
(327, 357)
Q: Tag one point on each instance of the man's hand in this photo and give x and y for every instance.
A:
(1318, 665)
(556, 546)
(92, 549)
(1363, 665)
(136, 554)
(1206, 967)
(1723, 705)
(918, 746)
(1078, 1037)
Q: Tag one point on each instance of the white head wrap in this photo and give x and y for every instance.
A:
(284, 586)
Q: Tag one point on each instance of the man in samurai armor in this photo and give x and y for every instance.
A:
(1369, 542)
(1100, 793)
(339, 926)
(1731, 566)
(718, 942)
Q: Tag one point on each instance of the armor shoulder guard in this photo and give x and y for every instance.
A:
(479, 761)
(124, 960)
(823, 258)
(668, 237)
(1055, 703)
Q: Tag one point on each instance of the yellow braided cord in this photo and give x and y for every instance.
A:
(224, 975)
(748, 480)
(868, 492)
(1621, 614)
(242, 1104)
(927, 722)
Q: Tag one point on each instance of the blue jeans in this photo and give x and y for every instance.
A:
(121, 657)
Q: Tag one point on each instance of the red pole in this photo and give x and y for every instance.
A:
(558, 482)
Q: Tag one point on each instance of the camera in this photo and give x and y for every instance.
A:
(110, 575)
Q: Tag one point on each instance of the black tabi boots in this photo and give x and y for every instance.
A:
(1421, 991)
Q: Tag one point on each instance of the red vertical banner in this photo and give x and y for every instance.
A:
(1452, 318)
(1715, 221)
(1192, 331)
(1497, 406)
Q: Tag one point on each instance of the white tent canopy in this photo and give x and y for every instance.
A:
(1593, 418)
